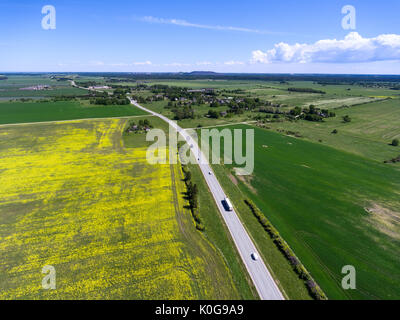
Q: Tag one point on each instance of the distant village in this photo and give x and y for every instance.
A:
(36, 88)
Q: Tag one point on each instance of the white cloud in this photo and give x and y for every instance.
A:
(204, 63)
(177, 64)
(352, 49)
(184, 23)
(145, 63)
(118, 64)
(232, 63)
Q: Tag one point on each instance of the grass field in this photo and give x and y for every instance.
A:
(335, 95)
(332, 207)
(25, 112)
(200, 112)
(372, 129)
(10, 88)
(113, 226)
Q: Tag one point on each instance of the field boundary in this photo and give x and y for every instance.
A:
(298, 267)
(66, 121)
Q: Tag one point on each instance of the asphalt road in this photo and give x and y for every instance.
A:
(261, 277)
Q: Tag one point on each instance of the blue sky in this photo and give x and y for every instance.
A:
(218, 35)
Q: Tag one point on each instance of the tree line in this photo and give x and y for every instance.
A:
(313, 288)
(192, 195)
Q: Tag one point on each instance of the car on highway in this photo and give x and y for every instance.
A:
(227, 204)
(255, 256)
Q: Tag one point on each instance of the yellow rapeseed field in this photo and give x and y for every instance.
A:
(112, 225)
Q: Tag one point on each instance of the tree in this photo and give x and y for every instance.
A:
(296, 111)
(188, 176)
(213, 114)
(195, 190)
(335, 131)
(395, 142)
(346, 119)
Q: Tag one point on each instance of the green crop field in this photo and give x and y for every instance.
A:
(334, 208)
(23, 112)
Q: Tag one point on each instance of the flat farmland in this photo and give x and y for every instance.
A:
(25, 112)
(371, 130)
(113, 226)
(10, 88)
(334, 209)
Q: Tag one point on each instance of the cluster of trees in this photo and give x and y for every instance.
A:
(176, 93)
(394, 160)
(64, 98)
(86, 84)
(3, 78)
(139, 99)
(103, 98)
(298, 267)
(213, 114)
(238, 106)
(192, 195)
(142, 126)
(270, 110)
(306, 90)
(346, 119)
(311, 113)
(53, 99)
(183, 113)
(110, 101)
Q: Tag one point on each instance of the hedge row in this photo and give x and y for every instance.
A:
(313, 288)
(193, 198)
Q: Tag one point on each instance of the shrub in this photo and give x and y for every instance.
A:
(346, 119)
(395, 142)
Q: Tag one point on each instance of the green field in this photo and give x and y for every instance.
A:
(332, 207)
(336, 95)
(25, 112)
(10, 88)
(372, 129)
(200, 112)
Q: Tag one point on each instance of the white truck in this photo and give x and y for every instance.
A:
(228, 205)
